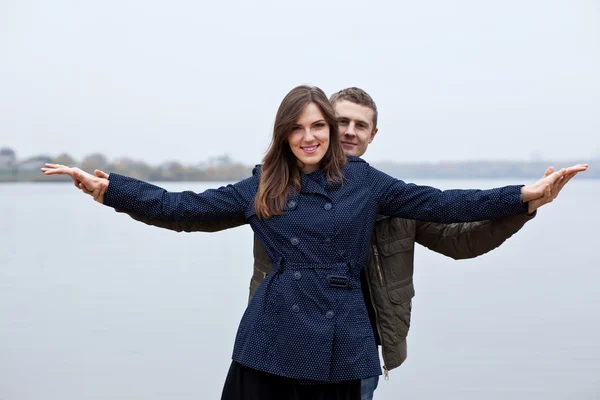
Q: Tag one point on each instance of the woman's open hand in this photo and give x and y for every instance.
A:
(546, 189)
(95, 186)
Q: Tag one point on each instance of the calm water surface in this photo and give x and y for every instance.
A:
(94, 305)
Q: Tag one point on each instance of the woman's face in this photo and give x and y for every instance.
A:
(309, 139)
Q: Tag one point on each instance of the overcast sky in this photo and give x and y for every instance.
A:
(188, 80)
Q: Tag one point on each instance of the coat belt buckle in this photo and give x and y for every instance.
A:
(338, 281)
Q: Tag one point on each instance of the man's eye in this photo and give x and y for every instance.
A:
(343, 122)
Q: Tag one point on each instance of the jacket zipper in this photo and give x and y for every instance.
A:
(376, 252)
(386, 373)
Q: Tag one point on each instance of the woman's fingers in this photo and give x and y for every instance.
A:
(559, 185)
(81, 175)
(555, 176)
(54, 169)
(84, 189)
(579, 167)
(98, 195)
(559, 178)
(548, 194)
(100, 189)
(537, 193)
(94, 185)
(100, 174)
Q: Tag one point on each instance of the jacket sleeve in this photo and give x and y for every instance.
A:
(398, 199)
(156, 204)
(468, 240)
(191, 226)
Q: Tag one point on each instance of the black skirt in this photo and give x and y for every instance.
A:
(245, 383)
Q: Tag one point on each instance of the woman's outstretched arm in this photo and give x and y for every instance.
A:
(150, 201)
(424, 203)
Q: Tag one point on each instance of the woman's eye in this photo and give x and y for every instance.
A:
(320, 125)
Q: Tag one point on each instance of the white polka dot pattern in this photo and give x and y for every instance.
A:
(308, 319)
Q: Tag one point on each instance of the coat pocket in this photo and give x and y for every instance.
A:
(401, 299)
(397, 256)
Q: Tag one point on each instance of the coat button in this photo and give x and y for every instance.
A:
(297, 275)
(294, 241)
(327, 242)
(296, 308)
(292, 204)
(329, 314)
(327, 206)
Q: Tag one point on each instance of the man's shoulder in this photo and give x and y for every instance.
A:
(356, 166)
(355, 159)
(356, 162)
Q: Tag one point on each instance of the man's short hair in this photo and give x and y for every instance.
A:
(357, 96)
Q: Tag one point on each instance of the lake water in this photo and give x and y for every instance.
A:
(94, 305)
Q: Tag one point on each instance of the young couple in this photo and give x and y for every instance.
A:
(308, 332)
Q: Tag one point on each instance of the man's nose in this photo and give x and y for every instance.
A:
(350, 129)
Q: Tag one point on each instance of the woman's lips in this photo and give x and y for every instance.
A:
(310, 149)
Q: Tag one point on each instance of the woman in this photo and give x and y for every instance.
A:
(306, 333)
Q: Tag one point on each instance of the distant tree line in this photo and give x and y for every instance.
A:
(216, 169)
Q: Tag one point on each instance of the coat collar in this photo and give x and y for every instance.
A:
(314, 182)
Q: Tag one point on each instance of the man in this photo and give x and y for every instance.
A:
(387, 280)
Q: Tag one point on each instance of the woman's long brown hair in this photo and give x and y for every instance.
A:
(280, 169)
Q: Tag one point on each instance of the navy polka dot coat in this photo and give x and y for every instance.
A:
(308, 319)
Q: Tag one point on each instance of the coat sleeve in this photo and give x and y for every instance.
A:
(406, 200)
(154, 203)
(468, 239)
(191, 226)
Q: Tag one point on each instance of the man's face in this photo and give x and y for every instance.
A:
(356, 127)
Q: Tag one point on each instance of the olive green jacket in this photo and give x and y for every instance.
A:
(389, 271)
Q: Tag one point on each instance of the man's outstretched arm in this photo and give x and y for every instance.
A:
(468, 240)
